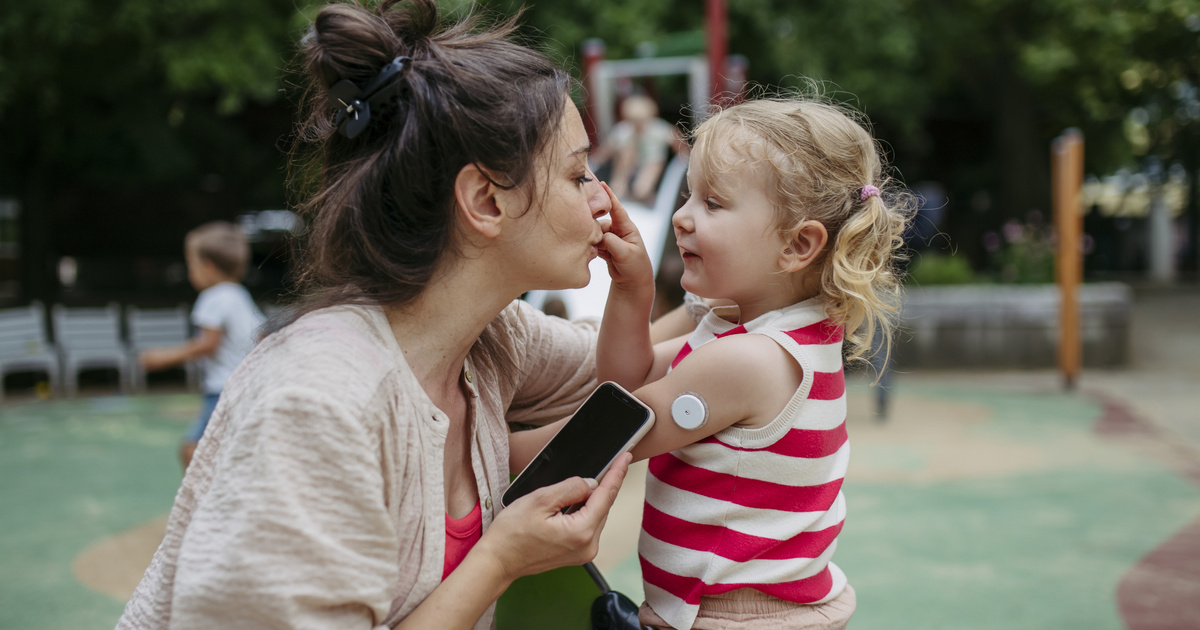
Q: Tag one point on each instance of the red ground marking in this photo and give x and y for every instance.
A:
(1162, 591)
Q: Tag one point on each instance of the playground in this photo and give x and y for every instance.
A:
(992, 494)
(985, 500)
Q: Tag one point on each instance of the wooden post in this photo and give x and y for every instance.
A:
(1066, 171)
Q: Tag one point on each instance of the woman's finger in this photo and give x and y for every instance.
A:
(605, 495)
(563, 494)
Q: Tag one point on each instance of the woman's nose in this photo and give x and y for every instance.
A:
(598, 199)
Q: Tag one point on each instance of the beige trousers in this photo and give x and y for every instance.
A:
(748, 609)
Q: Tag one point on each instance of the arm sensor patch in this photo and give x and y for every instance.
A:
(689, 411)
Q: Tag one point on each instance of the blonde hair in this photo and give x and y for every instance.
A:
(223, 244)
(821, 157)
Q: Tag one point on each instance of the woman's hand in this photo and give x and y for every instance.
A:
(622, 248)
(533, 534)
(530, 536)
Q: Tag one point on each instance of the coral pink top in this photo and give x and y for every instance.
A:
(461, 535)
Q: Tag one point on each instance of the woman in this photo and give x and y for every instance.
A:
(453, 178)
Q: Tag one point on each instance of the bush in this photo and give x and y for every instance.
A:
(1022, 253)
(930, 268)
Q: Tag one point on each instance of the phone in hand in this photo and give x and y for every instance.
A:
(608, 423)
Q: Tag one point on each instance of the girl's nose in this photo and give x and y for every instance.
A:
(682, 219)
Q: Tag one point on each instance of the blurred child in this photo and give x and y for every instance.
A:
(791, 216)
(639, 146)
(225, 316)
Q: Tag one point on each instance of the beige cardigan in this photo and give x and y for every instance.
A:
(315, 499)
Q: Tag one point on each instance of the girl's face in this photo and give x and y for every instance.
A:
(730, 244)
(559, 232)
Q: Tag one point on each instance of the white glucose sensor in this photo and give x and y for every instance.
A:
(689, 411)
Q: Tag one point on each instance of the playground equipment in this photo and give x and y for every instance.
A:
(612, 610)
(600, 77)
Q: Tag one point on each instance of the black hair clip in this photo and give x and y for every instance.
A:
(354, 103)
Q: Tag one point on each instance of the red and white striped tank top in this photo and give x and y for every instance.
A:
(755, 508)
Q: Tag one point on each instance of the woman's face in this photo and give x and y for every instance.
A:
(558, 234)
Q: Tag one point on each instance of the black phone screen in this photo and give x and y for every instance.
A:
(586, 443)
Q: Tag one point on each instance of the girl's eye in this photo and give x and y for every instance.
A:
(712, 204)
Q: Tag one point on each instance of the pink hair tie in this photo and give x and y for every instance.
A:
(867, 192)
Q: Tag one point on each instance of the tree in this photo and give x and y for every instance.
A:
(167, 113)
(125, 122)
(968, 93)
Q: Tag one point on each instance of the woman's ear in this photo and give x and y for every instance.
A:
(476, 197)
(805, 243)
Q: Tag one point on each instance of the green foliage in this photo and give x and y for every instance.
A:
(1025, 69)
(126, 92)
(1086, 63)
(1022, 252)
(933, 268)
(130, 95)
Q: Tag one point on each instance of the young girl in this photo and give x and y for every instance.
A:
(792, 218)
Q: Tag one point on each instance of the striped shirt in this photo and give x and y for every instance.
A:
(755, 508)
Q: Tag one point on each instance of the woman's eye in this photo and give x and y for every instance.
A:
(585, 178)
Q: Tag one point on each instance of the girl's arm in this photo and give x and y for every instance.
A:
(523, 446)
(744, 380)
(672, 324)
(624, 353)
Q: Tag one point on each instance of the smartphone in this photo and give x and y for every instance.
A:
(608, 423)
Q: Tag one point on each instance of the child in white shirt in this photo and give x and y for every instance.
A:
(225, 316)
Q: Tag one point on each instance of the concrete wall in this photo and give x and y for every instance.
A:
(1010, 326)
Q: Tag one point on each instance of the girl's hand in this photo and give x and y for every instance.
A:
(533, 535)
(622, 248)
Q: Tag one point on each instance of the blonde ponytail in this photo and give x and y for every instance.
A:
(860, 279)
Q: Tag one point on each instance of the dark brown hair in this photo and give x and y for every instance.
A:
(380, 211)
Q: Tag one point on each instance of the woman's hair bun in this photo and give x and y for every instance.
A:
(349, 41)
(380, 201)
(414, 24)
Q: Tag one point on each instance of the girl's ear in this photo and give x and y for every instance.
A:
(805, 243)
(477, 205)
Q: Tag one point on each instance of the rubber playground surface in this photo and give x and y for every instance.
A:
(980, 503)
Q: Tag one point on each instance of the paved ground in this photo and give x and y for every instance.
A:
(987, 500)
(999, 500)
